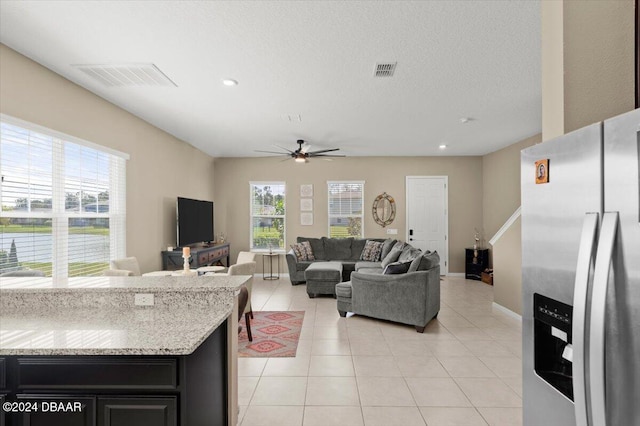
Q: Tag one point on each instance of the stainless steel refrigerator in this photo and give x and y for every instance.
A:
(581, 276)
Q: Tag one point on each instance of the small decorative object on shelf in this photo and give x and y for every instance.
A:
(186, 255)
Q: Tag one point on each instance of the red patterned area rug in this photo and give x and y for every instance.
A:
(275, 334)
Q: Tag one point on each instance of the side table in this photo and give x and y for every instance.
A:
(474, 266)
(271, 257)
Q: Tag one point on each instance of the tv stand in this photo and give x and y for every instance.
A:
(200, 256)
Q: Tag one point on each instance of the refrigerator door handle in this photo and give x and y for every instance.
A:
(597, 322)
(583, 272)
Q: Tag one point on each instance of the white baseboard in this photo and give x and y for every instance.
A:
(507, 311)
(455, 274)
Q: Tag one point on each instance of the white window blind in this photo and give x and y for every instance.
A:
(62, 202)
(267, 215)
(346, 209)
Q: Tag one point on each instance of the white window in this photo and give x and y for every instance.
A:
(267, 216)
(62, 202)
(346, 209)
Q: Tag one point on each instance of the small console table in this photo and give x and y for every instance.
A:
(200, 256)
(475, 266)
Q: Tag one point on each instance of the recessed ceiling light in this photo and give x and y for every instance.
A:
(465, 120)
(229, 82)
(443, 146)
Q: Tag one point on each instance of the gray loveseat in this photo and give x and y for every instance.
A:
(409, 298)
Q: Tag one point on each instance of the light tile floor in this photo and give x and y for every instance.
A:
(464, 370)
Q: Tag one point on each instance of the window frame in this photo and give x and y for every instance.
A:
(58, 214)
(330, 216)
(252, 216)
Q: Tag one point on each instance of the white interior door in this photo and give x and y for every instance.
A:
(427, 217)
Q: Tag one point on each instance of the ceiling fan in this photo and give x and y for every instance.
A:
(302, 154)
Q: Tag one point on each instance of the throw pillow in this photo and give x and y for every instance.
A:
(415, 263)
(409, 253)
(371, 251)
(393, 255)
(303, 251)
(428, 261)
(386, 247)
(396, 268)
(317, 246)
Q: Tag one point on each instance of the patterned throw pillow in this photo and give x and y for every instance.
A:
(371, 251)
(303, 251)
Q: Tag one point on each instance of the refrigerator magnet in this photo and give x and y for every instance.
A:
(542, 171)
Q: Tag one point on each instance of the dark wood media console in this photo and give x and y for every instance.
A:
(200, 256)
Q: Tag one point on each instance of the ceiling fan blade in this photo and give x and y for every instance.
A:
(281, 147)
(273, 152)
(327, 155)
(305, 148)
(323, 151)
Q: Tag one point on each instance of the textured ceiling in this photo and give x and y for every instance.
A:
(454, 59)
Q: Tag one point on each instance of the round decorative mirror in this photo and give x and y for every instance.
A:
(384, 209)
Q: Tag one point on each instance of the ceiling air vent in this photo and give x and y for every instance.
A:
(385, 69)
(113, 75)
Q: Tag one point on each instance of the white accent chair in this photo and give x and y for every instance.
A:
(245, 265)
(120, 267)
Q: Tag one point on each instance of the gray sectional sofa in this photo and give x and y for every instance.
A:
(409, 291)
(346, 251)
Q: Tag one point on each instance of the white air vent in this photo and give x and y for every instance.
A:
(112, 75)
(385, 69)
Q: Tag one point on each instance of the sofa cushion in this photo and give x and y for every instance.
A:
(393, 255)
(396, 268)
(344, 289)
(371, 251)
(386, 247)
(370, 271)
(337, 248)
(303, 251)
(357, 245)
(304, 264)
(364, 265)
(409, 253)
(428, 261)
(317, 246)
(416, 262)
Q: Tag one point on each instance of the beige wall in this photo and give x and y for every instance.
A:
(507, 275)
(232, 177)
(501, 185)
(501, 198)
(587, 63)
(161, 167)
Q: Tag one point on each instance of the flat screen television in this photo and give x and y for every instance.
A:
(195, 221)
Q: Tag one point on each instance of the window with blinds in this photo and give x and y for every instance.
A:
(62, 202)
(346, 209)
(267, 215)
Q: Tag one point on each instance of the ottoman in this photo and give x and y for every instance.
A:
(322, 277)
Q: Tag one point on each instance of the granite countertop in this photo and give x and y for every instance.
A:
(97, 315)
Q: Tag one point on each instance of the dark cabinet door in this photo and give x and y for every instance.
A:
(137, 411)
(59, 410)
(2, 399)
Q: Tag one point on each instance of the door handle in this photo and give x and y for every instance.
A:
(583, 272)
(601, 277)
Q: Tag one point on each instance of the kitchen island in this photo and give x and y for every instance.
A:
(83, 351)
